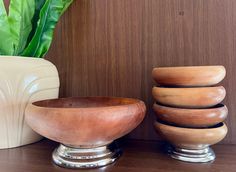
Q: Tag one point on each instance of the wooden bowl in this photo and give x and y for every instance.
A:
(191, 117)
(87, 121)
(189, 76)
(189, 138)
(201, 97)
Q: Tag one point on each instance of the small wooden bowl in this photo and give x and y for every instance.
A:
(189, 138)
(85, 121)
(201, 97)
(189, 76)
(194, 118)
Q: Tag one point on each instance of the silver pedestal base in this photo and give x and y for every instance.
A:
(71, 157)
(190, 155)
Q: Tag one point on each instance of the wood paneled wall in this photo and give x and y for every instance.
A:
(109, 47)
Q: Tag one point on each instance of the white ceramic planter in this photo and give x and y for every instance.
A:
(23, 80)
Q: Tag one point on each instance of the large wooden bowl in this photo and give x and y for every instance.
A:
(85, 122)
(189, 138)
(202, 97)
(195, 118)
(189, 76)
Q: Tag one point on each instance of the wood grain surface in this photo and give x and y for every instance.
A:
(85, 122)
(138, 156)
(109, 48)
(203, 97)
(191, 138)
(192, 118)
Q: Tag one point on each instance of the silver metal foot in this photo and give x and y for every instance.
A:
(71, 157)
(192, 155)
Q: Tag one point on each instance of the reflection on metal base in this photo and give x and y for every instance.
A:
(71, 157)
(192, 155)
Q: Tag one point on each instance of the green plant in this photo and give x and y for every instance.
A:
(27, 29)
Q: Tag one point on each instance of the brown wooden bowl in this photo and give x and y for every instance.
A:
(190, 138)
(189, 76)
(195, 118)
(85, 121)
(201, 97)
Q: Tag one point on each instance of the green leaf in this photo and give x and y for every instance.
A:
(6, 41)
(49, 16)
(38, 6)
(20, 16)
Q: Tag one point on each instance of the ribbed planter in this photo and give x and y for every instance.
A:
(23, 80)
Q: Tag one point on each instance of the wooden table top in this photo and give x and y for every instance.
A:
(138, 156)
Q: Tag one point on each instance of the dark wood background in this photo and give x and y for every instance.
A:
(109, 47)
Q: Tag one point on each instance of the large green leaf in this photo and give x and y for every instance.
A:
(6, 42)
(49, 16)
(20, 17)
(38, 6)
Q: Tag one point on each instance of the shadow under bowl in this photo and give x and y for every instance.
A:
(194, 118)
(202, 97)
(189, 76)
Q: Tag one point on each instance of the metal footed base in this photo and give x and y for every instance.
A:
(191, 155)
(71, 157)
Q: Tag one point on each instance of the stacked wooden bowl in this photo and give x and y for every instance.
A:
(189, 111)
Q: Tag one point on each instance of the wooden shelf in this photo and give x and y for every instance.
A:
(138, 156)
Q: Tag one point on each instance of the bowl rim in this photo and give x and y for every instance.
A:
(133, 102)
(187, 67)
(216, 107)
(178, 128)
(187, 88)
